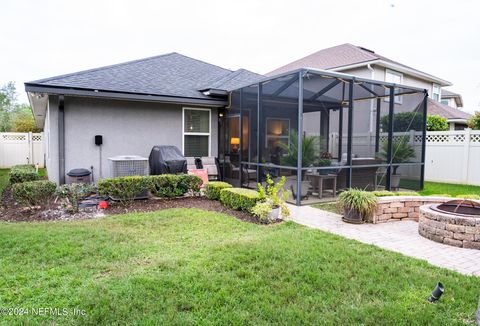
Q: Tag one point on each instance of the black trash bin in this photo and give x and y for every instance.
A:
(79, 176)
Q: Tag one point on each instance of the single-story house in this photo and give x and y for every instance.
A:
(251, 123)
(134, 106)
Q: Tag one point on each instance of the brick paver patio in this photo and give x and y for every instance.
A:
(399, 236)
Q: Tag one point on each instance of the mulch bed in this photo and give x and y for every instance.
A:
(12, 212)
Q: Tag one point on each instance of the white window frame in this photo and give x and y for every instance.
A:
(398, 98)
(287, 137)
(209, 133)
(439, 92)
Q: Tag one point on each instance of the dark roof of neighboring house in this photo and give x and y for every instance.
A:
(340, 56)
(449, 94)
(437, 108)
(171, 74)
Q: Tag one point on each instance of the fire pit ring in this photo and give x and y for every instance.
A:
(455, 222)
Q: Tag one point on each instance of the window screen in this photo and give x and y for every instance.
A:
(196, 132)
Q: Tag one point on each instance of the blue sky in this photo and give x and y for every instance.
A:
(47, 38)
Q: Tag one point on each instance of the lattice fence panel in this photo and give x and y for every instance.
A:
(13, 137)
(475, 138)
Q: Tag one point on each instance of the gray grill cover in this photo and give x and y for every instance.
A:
(167, 159)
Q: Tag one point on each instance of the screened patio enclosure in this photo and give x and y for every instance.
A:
(324, 132)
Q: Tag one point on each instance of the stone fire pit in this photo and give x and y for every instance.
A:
(444, 224)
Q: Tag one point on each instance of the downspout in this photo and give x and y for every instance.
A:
(372, 102)
(61, 139)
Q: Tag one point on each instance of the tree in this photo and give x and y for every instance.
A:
(14, 116)
(22, 120)
(474, 121)
(8, 99)
(437, 123)
(403, 121)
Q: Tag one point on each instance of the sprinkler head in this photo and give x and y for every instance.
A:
(437, 292)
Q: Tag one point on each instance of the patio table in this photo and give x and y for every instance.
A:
(317, 182)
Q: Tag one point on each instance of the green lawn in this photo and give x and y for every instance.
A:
(432, 188)
(187, 266)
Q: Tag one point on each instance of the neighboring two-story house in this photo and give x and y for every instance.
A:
(362, 62)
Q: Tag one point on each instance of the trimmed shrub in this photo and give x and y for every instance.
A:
(174, 185)
(406, 193)
(190, 183)
(74, 193)
(239, 198)
(213, 188)
(469, 196)
(23, 173)
(34, 192)
(383, 193)
(124, 188)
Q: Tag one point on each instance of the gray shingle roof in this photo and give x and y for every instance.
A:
(447, 93)
(338, 56)
(171, 74)
(437, 108)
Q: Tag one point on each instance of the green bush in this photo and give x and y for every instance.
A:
(173, 185)
(124, 188)
(383, 193)
(190, 183)
(239, 198)
(406, 193)
(74, 193)
(469, 196)
(23, 173)
(403, 121)
(440, 195)
(474, 121)
(213, 188)
(436, 123)
(34, 192)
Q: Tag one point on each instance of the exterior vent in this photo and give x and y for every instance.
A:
(128, 165)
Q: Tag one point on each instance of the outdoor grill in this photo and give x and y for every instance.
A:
(167, 159)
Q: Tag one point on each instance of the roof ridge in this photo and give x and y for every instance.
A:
(102, 68)
(227, 78)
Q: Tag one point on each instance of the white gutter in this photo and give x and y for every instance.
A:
(372, 102)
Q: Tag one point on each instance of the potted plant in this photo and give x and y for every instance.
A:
(358, 205)
(324, 162)
(309, 146)
(272, 205)
(402, 152)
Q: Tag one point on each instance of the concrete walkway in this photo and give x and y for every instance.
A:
(399, 236)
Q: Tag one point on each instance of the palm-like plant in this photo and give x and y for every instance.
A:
(402, 152)
(310, 147)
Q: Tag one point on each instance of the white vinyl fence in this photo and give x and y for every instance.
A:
(451, 156)
(21, 148)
